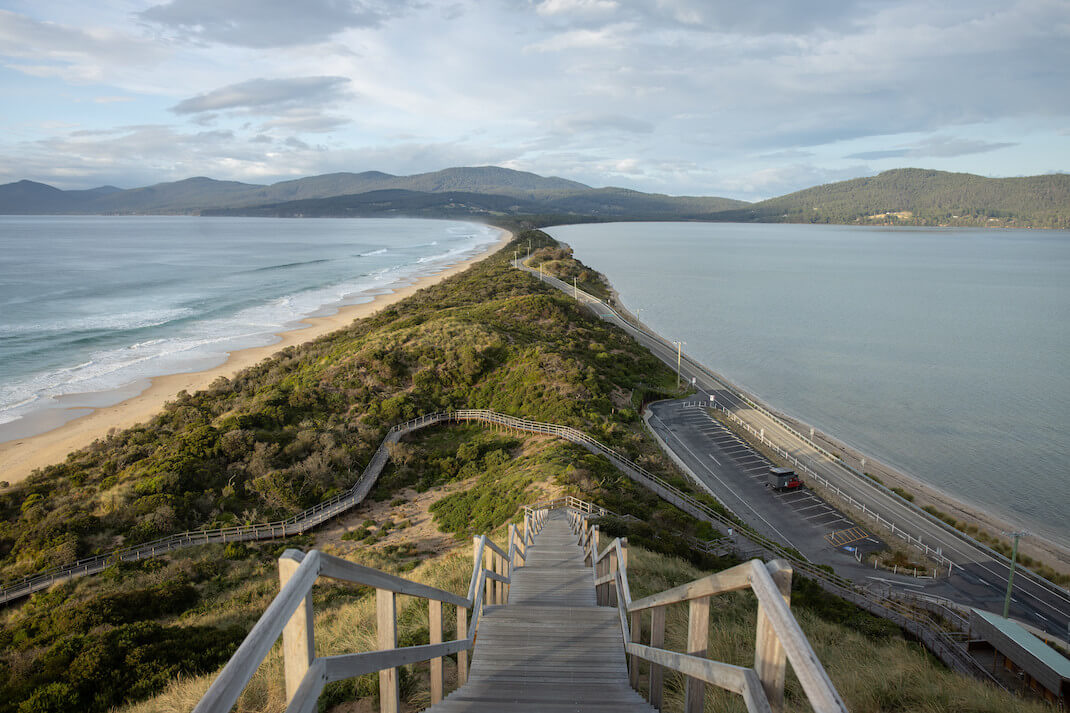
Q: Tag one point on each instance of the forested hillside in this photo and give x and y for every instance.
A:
(913, 196)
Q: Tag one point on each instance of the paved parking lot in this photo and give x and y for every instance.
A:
(799, 517)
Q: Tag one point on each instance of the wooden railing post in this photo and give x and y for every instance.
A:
(499, 567)
(636, 630)
(770, 659)
(434, 624)
(488, 564)
(698, 634)
(462, 656)
(387, 625)
(298, 643)
(657, 641)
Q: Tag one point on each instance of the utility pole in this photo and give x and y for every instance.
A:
(637, 311)
(575, 290)
(529, 247)
(514, 256)
(679, 353)
(540, 272)
(1010, 575)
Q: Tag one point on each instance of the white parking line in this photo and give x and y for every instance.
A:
(889, 581)
(808, 507)
(715, 459)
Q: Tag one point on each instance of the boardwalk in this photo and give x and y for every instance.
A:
(551, 648)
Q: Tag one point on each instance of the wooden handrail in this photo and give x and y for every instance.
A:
(290, 615)
(779, 637)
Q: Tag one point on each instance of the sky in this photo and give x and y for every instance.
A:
(685, 97)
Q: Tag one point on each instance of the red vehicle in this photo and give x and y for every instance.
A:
(783, 479)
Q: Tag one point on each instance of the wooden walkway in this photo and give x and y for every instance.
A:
(551, 648)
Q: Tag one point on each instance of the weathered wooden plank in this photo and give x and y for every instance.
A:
(306, 696)
(225, 690)
(657, 641)
(386, 620)
(434, 623)
(720, 674)
(349, 665)
(338, 568)
(804, 662)
(462, 655)
(698, 635)
(298, 645)
(770, 661)
(729, 580)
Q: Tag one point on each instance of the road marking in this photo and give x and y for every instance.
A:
(810, 506)
(892, 581)
(846, 537)
(712, 456)
(741, 500)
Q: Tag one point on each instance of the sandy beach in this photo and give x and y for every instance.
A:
(20, 457)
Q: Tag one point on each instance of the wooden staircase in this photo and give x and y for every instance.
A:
(552, 648)
(552, 628)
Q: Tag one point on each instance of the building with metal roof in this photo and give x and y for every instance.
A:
(1042, 668)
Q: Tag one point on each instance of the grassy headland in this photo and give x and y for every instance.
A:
(298, 428)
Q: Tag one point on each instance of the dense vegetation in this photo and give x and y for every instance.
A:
(912, 196)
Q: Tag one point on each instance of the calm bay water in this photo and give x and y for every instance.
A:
(94, 304)
(944, 352)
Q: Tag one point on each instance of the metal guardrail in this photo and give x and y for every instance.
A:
(753, 403)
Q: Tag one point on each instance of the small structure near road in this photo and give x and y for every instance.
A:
(783, 479)
(1040, 668)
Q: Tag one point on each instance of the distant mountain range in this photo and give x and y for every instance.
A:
(903, 196)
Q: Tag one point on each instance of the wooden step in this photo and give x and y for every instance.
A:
(551, 649)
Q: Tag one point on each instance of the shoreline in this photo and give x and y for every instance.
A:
(1039, 547)
(19, 457)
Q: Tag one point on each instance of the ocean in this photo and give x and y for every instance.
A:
(92, 306)
(943, 352)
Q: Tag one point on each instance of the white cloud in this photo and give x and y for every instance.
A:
(78, 54)
(679, 96)
(608, 37)
(269, 23)
(260, 95)
(563, 7)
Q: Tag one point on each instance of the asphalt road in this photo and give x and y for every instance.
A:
(979, 579)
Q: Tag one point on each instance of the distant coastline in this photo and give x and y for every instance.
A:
(21, 456)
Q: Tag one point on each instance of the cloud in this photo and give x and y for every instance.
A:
(261, 95)
(79, 54)
(559, 7)
(935, 147)
(593, 123)
(609, 37)
(269, 23)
